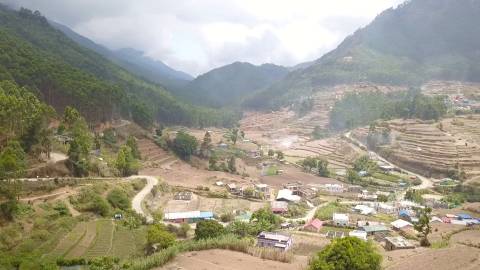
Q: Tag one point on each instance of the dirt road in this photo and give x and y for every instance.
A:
(426, 182)
(138, 199)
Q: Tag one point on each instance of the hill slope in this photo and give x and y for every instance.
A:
(133, 61)
(418, 41)
(228, 84)
(36, 55)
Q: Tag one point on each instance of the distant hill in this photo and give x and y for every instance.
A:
(134, 61)
(61, 73)
(418, 41)
(231, 83)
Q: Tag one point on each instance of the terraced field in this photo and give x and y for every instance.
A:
(103, 240)
(152, 154)
(84, 243)
(339, 154)
(432, 149)
(70, 240)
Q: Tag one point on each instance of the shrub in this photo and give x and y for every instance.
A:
(99, 206)
(208, 229)
(158, 234)
(118, 199)
(347, 253)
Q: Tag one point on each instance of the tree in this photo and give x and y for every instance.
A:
(232, 135)
(322, 167)
(264, 220)
(12, 161)
(212, 163)
(132, 143)
(231, 165)
(239, 228)
(364, 163)
(184, 145)
(280, 154)
(349, 253)
(423, 226)
(353, 177)
(125, 163)
(118, 198)
(271, 153)
(78, 152)
(206, 145)
(158, 234)
(208, 229)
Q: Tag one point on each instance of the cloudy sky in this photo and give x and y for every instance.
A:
(198, 35)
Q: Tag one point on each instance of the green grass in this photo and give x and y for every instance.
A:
(272, 170)
(326, 212)
(70, 240)
(103, 240)
(123, 245)
(387, 177)
(440, 244)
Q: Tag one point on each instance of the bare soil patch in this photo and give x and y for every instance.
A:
(224, 259)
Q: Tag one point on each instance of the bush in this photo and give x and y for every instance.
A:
(158, 234)
(208, 229)
(347, 253)
(100, 206)
(118, 199)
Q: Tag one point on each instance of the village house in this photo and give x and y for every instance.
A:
(334, 188)
(359, 234)
(234, 189)
(313, 225)
(366, 196)
(287, 195)
(398, 242)
(401, 224)
(188, 217)
(340, 219)
(374, 229)
(364, 209)
(279, 207)
(264, 189)
(274, 240)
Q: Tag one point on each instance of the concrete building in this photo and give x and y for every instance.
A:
(401, 224)
(188, 217)
(359, 234)
(334, 188)
(279, 207)
(183, 196)
(274, 240)
(374, 229)
(287, 195)
(340, 219)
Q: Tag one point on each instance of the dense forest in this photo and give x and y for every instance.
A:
(230, 84)
(61, 72)
(418, 41)
(359, 109)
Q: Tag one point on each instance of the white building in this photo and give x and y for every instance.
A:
(359, 234)
(401, 224)
(364, 209)
(340, 219)
(334, 188)
(287, 196)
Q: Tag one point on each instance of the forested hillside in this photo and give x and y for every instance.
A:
(134, 61)
(61, 72)
(418, 41)
(231, 83)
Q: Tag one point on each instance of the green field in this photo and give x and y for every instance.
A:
(70, 240)
(103, 240)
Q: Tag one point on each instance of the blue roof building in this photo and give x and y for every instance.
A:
(464, 216)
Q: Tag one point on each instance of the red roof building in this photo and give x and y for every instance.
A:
(314, 225)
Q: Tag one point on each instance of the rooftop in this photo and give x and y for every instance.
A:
(190, 214)
(274, 236)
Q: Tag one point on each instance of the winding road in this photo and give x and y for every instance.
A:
(426, 182)
(138, 199)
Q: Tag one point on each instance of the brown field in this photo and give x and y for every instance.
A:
(216, 205)
(455, 257)
(470, 236)
(225, 259)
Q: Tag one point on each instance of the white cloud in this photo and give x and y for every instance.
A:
(198, 35)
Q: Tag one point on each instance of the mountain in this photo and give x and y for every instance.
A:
(229, 84)
(61, 72)
(134, 61)
(418, 41)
